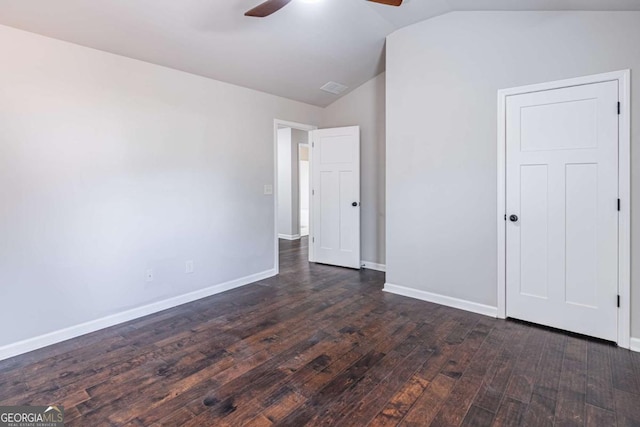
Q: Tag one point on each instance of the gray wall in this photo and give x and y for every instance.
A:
(111, 166)
(442, 79)
(365, 106)
(285, 183)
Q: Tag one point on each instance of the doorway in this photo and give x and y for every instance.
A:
(332, 192)
(290, 170)
(292, 189)
(563, 234)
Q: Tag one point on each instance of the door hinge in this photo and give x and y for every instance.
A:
(505, 217)
(618, 205)
(313, 144)
(618, 301)
(313, 240)
(313, 192)
(619, 107)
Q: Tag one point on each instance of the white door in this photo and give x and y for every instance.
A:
(335, 222)
(562, 208)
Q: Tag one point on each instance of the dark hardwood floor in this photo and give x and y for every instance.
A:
(319, 345)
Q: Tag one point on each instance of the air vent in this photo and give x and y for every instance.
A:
(334, 88)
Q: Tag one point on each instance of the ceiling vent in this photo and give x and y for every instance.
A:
(334, 88)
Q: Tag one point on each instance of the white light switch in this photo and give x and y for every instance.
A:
(268, 189)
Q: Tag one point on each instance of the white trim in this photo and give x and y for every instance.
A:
(624, 187)
(289, 236)
(622, 75)
(502, 210)
(14, 349)
(373, 266)
(634, 344)
(461, 304)
(293, 125)
(308, 146)
(624, 218)
(312, 245)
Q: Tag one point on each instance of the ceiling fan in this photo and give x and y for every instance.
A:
(272, 6)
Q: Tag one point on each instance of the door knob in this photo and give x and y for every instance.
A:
(354, 204)
(513, 218)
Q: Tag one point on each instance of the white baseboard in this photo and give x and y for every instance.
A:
(373, 266)
(35, 343)
(474, 307)
(288, 236)
(634, 344)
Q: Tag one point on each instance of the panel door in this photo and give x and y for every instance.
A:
(562, 217)
(336, 196)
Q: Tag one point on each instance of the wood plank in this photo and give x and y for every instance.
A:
(333, 389)
(510, 413)
(221, 372)
(366, 410)
(599, 376)
(598, 417)
(443, 349)
(525, 371)
(237, 418)
(540, 412)
(547, 382)
(396, 352)
(425, 409)
(570, 407)
(461, 397)
(624, 375)
(627, 408)
(478, 417)
(251, 389)
(493, 389)
(395, 410)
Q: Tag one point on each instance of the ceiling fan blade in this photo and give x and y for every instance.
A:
(388, 2)
(267, 8)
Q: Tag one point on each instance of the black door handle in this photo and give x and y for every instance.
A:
(354, 204)
(513, 218)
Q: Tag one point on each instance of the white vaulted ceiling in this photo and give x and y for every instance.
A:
(291, 53)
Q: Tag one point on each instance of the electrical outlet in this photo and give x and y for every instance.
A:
(189, 267)
(150, 275)
(268, 189)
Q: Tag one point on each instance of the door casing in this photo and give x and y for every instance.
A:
(624, 190)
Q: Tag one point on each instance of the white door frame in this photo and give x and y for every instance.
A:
(293, 125)
(308, 145)
(624, 190)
